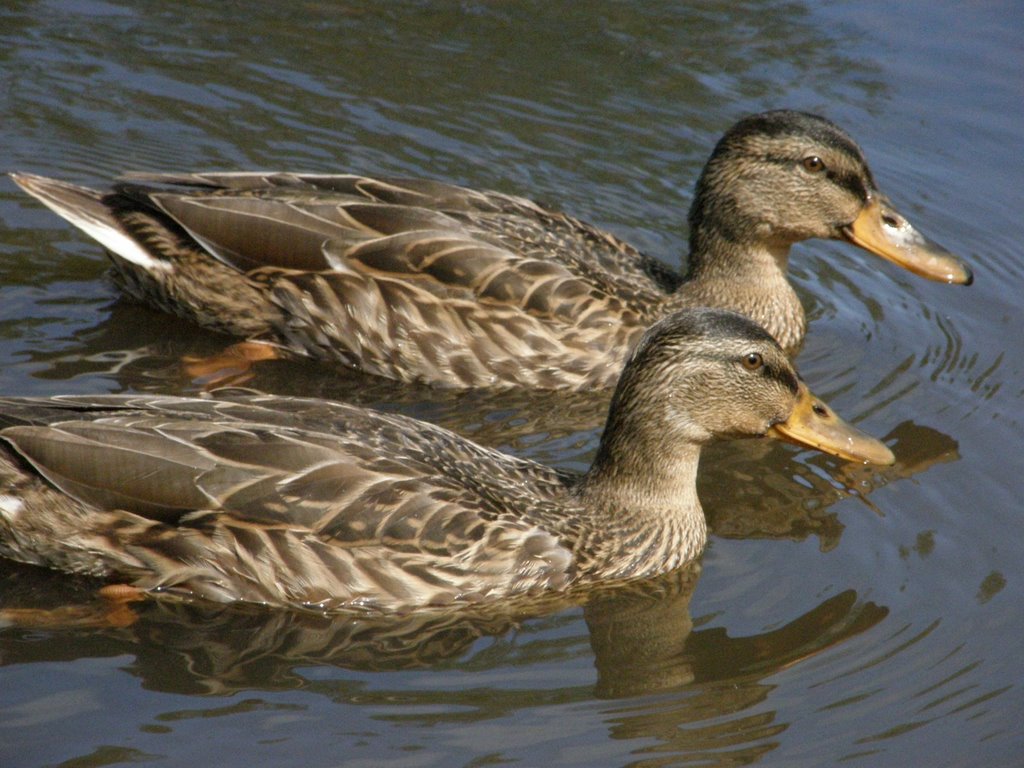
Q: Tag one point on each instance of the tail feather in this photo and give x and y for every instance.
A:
(86, 209)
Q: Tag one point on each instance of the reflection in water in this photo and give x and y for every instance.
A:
(641, 635)
(642, 639)
(791, 500)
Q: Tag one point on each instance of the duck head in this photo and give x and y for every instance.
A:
(780, 177)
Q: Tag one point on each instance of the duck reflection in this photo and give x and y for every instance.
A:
(790, 497)
(644, 643)
(642, 637)
(641, 634)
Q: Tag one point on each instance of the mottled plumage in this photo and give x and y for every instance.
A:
(422, 281)
(291, 501)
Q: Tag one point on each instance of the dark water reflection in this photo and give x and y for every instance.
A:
(843, 614)
(642, 638)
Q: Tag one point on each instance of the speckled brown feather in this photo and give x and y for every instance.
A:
(226, 501)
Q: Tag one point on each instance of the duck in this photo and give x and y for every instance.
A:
(430, 283)
(321, 505)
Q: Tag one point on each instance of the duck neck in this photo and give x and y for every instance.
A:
(646, 515)
(745, 274)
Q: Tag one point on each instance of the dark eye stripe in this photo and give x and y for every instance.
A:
(786, 378)
(850, 182)
(783, 376)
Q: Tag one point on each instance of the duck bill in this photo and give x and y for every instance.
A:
(881, 230)
(812, 424)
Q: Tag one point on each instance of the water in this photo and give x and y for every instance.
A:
(841, 614)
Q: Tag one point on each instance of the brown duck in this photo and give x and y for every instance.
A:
(421, 281)
(311, 503)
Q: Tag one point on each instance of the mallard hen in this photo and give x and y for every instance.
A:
(426, 282)
(298, 502)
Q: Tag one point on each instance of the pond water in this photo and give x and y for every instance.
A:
(840, 614)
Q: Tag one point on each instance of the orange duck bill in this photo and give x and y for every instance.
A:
(812, 424)
(881, 230)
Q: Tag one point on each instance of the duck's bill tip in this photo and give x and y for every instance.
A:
(880, 229)
(812, 424)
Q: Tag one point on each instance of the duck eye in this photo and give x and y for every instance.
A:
(813, 164)
(752, 361)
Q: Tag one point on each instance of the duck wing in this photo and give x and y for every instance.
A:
(506, 221)
(412, 280)
(379, 508)
(425, 282)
